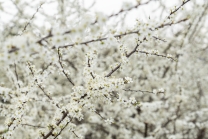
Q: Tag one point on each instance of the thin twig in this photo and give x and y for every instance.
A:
(36, 81)
(35, 126)
(88, 61)
(172, 23)
(133, 51)
(113, 15)
(174, 11)
(33, 16)
(138, 91)
(147, 53)
(113, 70)
(15, 70)
(61, 130)
(64, 72)
(58, 123)
(131, 8)
(118, 36)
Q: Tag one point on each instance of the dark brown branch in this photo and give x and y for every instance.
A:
(165, 72)
(46, 68)
(120, 35)
(101, 39)
(113, 70)
(147, 53)
(145, 129)
(58, 123)
(15, 70)
(61, 130)
(199, 20)
(133, 51)
(100, 115)
(159, 39)
(138, 91)
(113, 15)
(33, 16)
(88, 62)
(71, 64)
(75, 134)
(170, 24)
(14, 49)
(201, 133)
(35, 126)
(166, 122)
(64, 72)
(174, 11)
(41, 88)
(131, 8)
(44, 38)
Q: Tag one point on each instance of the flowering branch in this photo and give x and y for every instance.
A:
(120, 35)
(113, 70)
(138, 91)
(156, 54)
(65, 114)
(131, 8)
(35, 126)
(64, 72)
(113, 15)
(33, 16)
(36, 81)
(174, 11)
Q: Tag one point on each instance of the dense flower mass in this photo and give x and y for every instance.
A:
(68, 71)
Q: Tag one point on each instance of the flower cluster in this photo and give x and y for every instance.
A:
(85, 74)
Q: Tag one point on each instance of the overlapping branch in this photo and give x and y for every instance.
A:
(110, 16)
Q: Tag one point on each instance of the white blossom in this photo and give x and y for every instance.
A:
(69, 70)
